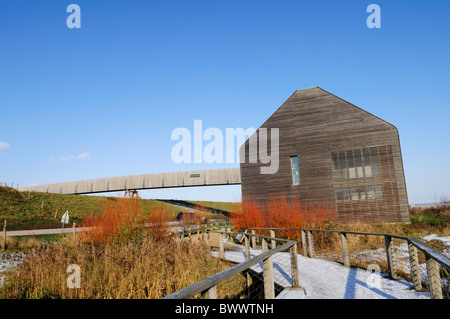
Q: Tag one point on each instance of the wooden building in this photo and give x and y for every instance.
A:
(333, 152)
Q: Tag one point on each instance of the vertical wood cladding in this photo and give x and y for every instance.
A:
(316, 126)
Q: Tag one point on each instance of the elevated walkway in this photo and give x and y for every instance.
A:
(214, 177)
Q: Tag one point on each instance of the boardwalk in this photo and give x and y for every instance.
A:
(322, 279)
(212, 177)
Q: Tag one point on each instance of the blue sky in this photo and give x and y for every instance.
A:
(103, 100)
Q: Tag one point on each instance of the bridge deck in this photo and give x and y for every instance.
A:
(322, 279)
(227, 176)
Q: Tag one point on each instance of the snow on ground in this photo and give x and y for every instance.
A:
(323, 279)
(9, 261)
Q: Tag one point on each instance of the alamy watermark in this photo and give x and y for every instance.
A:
(74, 279)
(374, 19)
(74, 19)
(221, 147)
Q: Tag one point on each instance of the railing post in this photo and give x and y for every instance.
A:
(247, 247)
(253, 239)
(311, 244)
(305, 250)
(414, 264)
(273, 242)
(221, 248)
(294, 267)
(390, 256)
(211, 293)
(269, 285)
(4, 236)
(345, 254)
(264, 245)
(434, 279)
(247, 257)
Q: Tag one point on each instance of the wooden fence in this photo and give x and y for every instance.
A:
(272, 245)
(434, 259)
(207, 287)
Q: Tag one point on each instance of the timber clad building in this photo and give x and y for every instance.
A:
(333, 152)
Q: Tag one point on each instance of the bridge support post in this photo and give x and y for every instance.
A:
(434, 278)
(414, 264)
(345, 254)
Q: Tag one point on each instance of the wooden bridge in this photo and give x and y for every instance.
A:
(213, 177)
(283, 273)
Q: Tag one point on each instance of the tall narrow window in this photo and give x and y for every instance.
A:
(295, 170)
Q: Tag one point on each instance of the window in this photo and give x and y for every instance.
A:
(354, 193)
(295, 170)
(378, 192)
(362, 192)
(370, 192)
(356, 174)
(342, 193)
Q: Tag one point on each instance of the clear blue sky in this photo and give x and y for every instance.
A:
(102, 100)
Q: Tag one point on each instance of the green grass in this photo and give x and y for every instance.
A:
(51, 238)
(226, 206)
(33, 210)
(429, 219)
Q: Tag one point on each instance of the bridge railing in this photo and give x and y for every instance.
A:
(436, 263)
(270, 246)
(190, 230)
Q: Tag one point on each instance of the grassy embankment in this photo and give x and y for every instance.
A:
(32, 210)
(121, 257)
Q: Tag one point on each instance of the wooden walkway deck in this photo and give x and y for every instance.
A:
(322, 279)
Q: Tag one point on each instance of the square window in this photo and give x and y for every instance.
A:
(368, 171)
(370, 192)
(362, 192)
(354, 193)
(378, 191)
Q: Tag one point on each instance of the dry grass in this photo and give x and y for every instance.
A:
(148, 270)
(127, 254)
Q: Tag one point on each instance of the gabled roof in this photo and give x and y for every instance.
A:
(297, 92)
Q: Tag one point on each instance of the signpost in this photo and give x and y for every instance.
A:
(64, 220)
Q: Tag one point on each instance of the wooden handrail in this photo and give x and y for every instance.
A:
(433, 257)
(209, 283)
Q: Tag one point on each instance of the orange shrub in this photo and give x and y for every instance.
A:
(124, 219)
(279, 212)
